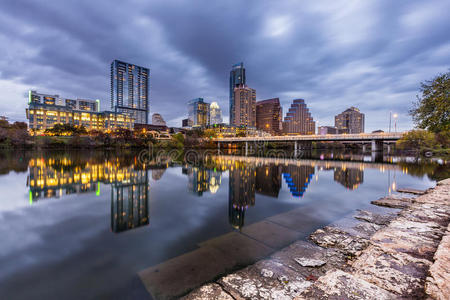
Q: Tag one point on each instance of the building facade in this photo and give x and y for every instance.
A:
(244, 108)
(268, 116)
(350, 121)
(237, 78)
(215, 114)
(198, 112)
(157, 119)
(45, 110)
(129, 90)
(298, 119)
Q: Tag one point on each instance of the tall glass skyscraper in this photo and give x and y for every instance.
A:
(129, 90)
(198, 112)
(237, 78)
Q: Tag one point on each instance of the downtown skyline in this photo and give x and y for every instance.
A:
(362, 56)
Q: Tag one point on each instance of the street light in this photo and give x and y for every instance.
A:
(395, 122)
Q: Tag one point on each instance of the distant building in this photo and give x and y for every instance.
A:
(323, 130)
(350, 121)
(198, 112)
(225, 130)
(157, 119)
(298, 119)
(129, 90)
(186, 123)
(237, 78)
(3, 118)
(268, 116)
(215, 114)
(244, 108)
(45, 110)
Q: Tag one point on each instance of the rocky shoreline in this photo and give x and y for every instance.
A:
(399, 253)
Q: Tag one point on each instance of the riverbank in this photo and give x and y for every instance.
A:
(398, 253)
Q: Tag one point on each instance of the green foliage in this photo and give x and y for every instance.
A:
(417, 139)
(432, 109)
(66, 129)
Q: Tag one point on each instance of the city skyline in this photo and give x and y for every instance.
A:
(361, 57)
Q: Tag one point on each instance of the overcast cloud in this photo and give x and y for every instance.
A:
(334, 54)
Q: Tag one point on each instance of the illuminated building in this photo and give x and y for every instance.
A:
(269, 115)
(157, 119)
(298, 119)
(323, 130)
(350, 121)
(244, 106)
(129, 90)
(202, 180)
(225, 130)
(237, 78)
(44, 111)
(351, 178)
(186, 123)
(198, 112)
(215, 114)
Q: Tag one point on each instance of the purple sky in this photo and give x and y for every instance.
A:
(334, 54)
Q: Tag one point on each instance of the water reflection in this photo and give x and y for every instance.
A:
(60, 175)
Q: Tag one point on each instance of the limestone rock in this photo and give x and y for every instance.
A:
(211, 291)
(393, 202)
(332, 237)
(373, 217)
(309, 262)
(340, 285)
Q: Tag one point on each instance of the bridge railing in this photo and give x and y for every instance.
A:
(315, 137)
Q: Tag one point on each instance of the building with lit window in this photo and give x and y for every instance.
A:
(129, 90)
(237, 78)
(350, 121)
(215, 114)
(45, 110)
(269, 115)
(157, 119)
(244, 108)
(298, 119)
(198, 113)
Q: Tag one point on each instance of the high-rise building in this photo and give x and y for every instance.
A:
(244, 107)
(215, 114)
(45, 110)
(157, 119)
(269, 115)
(298, 120)
(237, 78)
(350, 121)
(198, 112)
(129, 90)
(186, 123)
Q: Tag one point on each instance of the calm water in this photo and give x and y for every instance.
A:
(81, 225)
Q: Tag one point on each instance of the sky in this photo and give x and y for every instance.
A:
(334, 54)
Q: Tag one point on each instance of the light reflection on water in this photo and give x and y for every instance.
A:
(74, 218)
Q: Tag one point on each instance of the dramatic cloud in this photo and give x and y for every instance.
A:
(334, 54)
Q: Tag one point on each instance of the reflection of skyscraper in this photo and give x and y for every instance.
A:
(298, 178)
(129, 202)
(268, 180)
(158, 173)
(202, 180)
(241, 193)
(350, 178)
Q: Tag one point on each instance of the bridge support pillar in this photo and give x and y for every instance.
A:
(364, 148)
(246, 148)
(377, 146)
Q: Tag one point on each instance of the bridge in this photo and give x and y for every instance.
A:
(304, 141)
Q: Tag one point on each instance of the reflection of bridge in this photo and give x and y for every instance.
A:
(304, 141)
(308, 162)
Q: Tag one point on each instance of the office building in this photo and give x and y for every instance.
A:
(215, 114)
(298, 119)
(129, 90)
(350, 121)
(198, 112)
(186, 123)
(269, 115)
(237, 78)
(46, 110)
(244, 108)
(157, 119)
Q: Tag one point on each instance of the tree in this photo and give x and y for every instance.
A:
(417, 139)
(432, 109)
